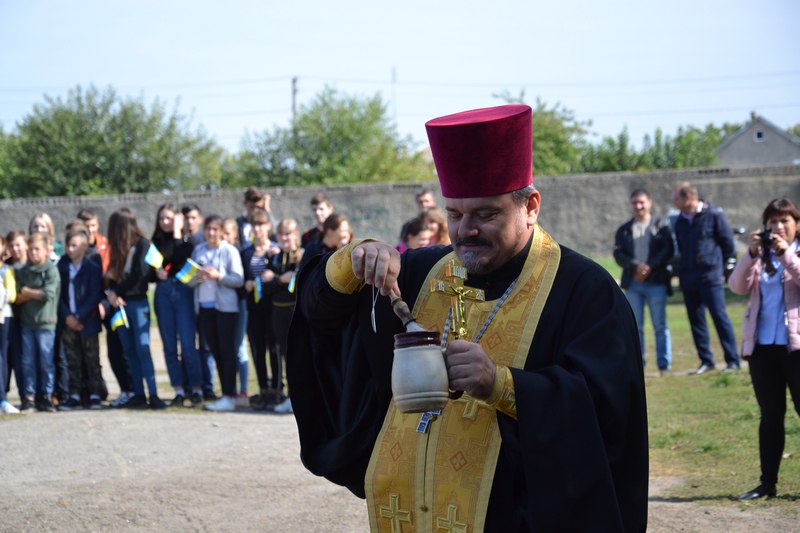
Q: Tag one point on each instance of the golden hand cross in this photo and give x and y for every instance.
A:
(456, 274)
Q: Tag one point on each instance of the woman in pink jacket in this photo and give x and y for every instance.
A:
(770, 273)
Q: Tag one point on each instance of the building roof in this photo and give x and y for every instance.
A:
(757, 119)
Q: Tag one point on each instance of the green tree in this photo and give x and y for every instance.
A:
(557, 137)
(336, 138)
(794, 130)
(99, 143)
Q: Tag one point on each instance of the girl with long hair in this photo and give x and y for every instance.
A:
(128, 276)
(174, 306)
(278, 276)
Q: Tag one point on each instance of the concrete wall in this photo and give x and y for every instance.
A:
(580, 211)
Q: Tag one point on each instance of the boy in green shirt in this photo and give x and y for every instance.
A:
(39, 289)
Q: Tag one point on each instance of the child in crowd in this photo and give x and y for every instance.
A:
(259, 309)
(39, 290)
(129, 274)
(416, 234)
(217, 303)
(253, 199)
(232, 234)
(17, 251)
(437, 222)
(279, 276)
(98, 244)
(336, 233)
(42, 223)
(81, 293)
(8, 293)
(322, 208)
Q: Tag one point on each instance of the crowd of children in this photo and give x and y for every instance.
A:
(221, 285)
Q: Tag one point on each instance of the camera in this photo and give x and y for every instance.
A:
(767, 238)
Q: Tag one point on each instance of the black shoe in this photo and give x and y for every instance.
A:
(733, 367)
(177, 401)
(702, 369)
(137, 401)
(27, 406)
(156, 402)
(209, 395)
(197, 399)
(47, 406)
(267, 401)
(94, 403)
(70, 405)
(765, 489)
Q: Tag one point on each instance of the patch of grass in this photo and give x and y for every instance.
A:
(708, 433)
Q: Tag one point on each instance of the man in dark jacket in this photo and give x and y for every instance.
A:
(705, 241)
(643, 248)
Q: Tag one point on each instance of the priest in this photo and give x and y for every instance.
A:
(551, 431)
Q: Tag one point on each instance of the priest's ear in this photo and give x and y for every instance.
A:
(532, 207)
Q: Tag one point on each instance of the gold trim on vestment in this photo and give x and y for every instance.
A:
(443, 477)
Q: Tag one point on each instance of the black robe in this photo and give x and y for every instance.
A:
(577, 457)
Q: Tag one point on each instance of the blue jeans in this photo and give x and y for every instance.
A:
(136, 344)
(713, 298)
(655, 296)
(243, 368)
(174, 306)
(38, 362)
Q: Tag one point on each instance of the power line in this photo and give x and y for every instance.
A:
(552, 84)
(427, 83)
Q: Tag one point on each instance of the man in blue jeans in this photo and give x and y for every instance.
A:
(643, 247)
(705, 242)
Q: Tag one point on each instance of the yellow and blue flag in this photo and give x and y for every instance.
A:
(119, 319)
(154, 257)
(258, 290)
(293, 282)
(188, 272)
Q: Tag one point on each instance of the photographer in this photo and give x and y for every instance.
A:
(770, 273)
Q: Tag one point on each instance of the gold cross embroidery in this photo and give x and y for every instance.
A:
(450, 523)
(471, 407)
(456, 274)
(395, 514)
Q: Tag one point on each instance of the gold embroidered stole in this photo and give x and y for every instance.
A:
(440, 480)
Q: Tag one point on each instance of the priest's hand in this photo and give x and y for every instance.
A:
(469, 369)
(378, 264)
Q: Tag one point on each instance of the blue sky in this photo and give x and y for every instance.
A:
(617, 63)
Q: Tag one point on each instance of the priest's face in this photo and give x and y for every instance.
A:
(487, 232)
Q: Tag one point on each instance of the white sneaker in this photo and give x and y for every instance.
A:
(8, 409)
(224, 404)
(285, 407)
(123, 397)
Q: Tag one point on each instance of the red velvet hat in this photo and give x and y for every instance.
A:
(484, 152)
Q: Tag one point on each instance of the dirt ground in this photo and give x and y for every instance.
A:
(188, 470)
(118, 470)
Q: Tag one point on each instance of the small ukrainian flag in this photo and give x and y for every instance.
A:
(154, 257)
(293, 282)
(188, 271)
(258, 290)
(119, 319)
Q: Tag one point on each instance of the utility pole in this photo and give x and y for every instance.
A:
(294, 101)
(394, 95)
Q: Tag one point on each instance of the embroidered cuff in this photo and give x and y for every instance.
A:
(339, 270)
(503, 397)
